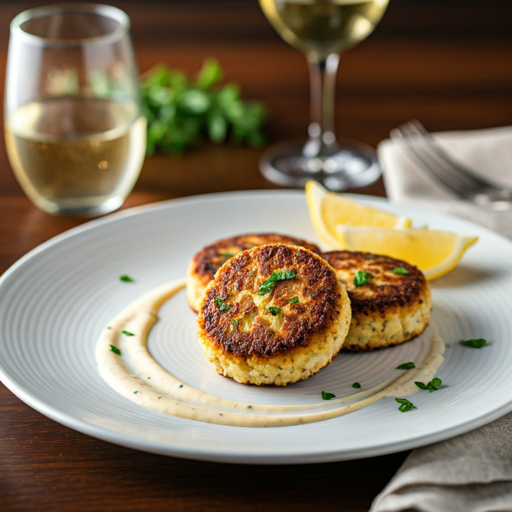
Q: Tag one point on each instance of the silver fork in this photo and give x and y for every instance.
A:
(440, 166)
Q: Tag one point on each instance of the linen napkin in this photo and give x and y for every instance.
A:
(472, 472)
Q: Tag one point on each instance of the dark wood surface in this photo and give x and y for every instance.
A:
(446, 62)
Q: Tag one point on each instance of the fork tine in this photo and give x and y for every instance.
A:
(448, 163)
(431, 168)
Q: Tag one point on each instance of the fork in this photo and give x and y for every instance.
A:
(439, 165)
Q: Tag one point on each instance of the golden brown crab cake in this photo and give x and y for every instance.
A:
(393, 304)
(209, 259)
(274, 314)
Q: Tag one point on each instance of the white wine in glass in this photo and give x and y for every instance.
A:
(74, 130)
(322, 29)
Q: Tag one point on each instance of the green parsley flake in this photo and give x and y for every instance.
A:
(406, 366)
(274, 311)
(327, 396)
(362, 277)
(433, 385)
(294, 300)
(235, 322)
(478, 343)
(400, 271)
(219, 302)
(135, 392)
(356, 385)
(109, 327)
(405, 405)
(227, 255)
(269, 284)
(127, 333)
(181, 385)
(125, 278)
(115, 350)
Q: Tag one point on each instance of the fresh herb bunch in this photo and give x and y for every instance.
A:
(180, 112)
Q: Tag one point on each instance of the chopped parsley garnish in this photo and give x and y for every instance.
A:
(405, 405)
(115, 350)
(127, 333)
(269, 284)
(294, 300)
(362, 277)
(406, 366)
(478, 343)
(135, 392)
(181, 385)
(219, 302)
(126, 279)
(327, 396)
(227, 255)
(235, 322)
(356, 385)
(109, 327)
(433, 385)
(400, 271)
(274, 310)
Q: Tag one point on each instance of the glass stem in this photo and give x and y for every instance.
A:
(322, 74)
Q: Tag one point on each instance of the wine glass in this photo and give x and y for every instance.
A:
(322, 29)
(74, 128)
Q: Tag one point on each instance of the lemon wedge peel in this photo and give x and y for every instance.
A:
(327, 209)
(435, 253)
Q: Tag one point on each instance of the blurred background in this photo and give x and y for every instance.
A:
(445, 62)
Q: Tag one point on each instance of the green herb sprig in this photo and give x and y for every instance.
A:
(362, 278)
(125, 278)
(115, 350)
(327, 396)
(219, 302)
(269, 284)
(434, 385)
(478, 343)
(406, 366)
(405, 405)
(182, 111)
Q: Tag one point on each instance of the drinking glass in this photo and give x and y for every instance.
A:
(322, 29)
(74, 130)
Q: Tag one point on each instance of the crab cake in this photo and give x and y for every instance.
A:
(208, 260)
(391, 307)
(274, 314)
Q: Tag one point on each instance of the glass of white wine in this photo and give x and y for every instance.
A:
(322, 29)
(74, 130)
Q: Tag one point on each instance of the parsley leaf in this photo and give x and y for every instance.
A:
(115, 350)
(126, 279)
(478, 343)
(400, 271)
(127, 333)
(406, 366)
(294, 300)
(182, 111)
(235, 322)
(327, 396)
(356, 385)
(219, 302)
(433, 385)
(405, 405)
(269, 284)
(274, 311)
(362, 278)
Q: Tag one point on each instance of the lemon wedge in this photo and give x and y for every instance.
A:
(435, 253)
(328, 209)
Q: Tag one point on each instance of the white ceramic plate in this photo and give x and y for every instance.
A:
(56, 300)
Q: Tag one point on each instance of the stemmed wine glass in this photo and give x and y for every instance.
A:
(322, 29)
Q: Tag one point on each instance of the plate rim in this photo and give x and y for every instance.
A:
(212, 455)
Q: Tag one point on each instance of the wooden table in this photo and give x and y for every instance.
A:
(446, 62)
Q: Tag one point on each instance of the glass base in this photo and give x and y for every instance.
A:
(83, 207)
(349, 164)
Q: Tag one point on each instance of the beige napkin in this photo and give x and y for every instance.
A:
(472, 472)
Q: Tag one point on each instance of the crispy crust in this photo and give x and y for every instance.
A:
(209, 259)
(315, 282)
(387, 310)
